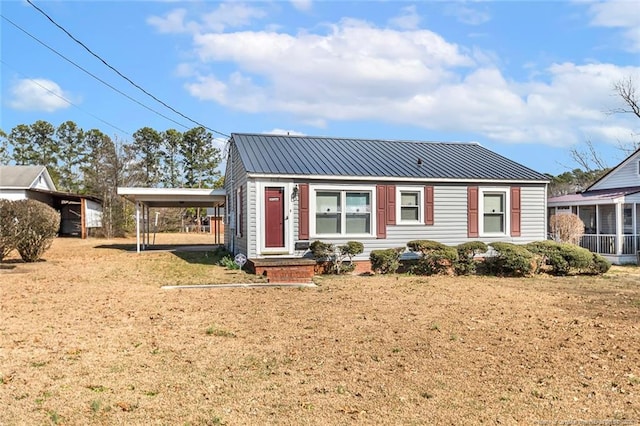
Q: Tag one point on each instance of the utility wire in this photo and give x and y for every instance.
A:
(120, 74)
(65, 99)
(91, 74)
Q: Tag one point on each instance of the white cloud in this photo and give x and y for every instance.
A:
(226, 15)
(303, 5)
(409, 19)
(467, 15)
(277, 131)
(358, 71)
(623, 14)
(37, 94)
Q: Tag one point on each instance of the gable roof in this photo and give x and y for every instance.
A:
(343, 157)
(613, 170)
(24, 177)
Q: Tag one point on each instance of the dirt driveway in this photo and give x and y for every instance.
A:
(88, 337)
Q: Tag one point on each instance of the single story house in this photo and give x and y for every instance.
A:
(610, 211)
(78, 213)
(284, 192)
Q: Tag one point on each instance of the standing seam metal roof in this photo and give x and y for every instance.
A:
(325, 156)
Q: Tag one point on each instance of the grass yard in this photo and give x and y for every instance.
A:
(88, 337)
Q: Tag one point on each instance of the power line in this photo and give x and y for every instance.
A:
(120, 74)
(65, 99)
(91, 74)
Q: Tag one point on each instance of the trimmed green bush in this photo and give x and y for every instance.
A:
(599, 264)
(511, 260)
(39, 225)
(8, 228)
(466, 264)
(386, 261)
(338, 260)
(563, 258)
(425, 246)
(436, 258)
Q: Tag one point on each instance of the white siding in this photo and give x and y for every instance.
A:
(450, 221)
(13, 194)
(533, 214)
(625, 175)
(235, 177)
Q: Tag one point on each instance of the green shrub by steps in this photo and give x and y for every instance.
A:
(337, 260)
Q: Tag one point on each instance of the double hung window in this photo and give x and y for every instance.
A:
(342, 212)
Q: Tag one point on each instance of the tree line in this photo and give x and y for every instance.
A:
(92, 163)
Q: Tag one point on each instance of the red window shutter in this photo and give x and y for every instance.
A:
(515, 211)
(381, 211)
(428, 205)
(472, 212)
(391, 204)
(303, 211)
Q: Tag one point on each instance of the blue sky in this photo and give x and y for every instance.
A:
(529, 80)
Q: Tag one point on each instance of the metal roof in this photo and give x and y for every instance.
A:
(593, 197)
(326, 156)
(174, 197)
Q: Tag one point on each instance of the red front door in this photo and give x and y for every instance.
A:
(274, 217)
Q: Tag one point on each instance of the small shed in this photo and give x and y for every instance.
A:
(78, 213)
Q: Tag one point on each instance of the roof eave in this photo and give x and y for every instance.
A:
(391, 178)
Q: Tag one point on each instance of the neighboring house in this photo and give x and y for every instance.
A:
(610, 210)
(78, 213)
(284, 192)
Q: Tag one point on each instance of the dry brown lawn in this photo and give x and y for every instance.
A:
(89, 337)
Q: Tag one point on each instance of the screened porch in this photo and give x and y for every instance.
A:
(611, 228)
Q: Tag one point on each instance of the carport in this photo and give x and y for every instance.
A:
(146, 198)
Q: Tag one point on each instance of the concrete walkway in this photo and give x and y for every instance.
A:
(247, 285)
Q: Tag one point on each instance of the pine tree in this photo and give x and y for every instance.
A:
(171, 165)
(72, 154)
(146, 147)
(200, 158)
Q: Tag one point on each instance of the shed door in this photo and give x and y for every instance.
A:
(274, 217)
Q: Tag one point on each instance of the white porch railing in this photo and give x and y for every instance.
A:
(607, 243)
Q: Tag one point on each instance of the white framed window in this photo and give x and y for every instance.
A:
(494, 217)
(410, 205)
(341, 211)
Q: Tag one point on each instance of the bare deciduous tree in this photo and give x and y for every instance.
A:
(566, 228)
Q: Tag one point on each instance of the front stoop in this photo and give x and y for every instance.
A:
(283, 270)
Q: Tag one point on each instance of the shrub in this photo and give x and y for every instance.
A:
(511, 260)
(566, 228)
(466, 264)
(339, 259)
(563, 258)
(386, 261)
(39, 225)
(228, 262)
(8, 228)
(599, 264)
(436, 258)
(425, 246)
